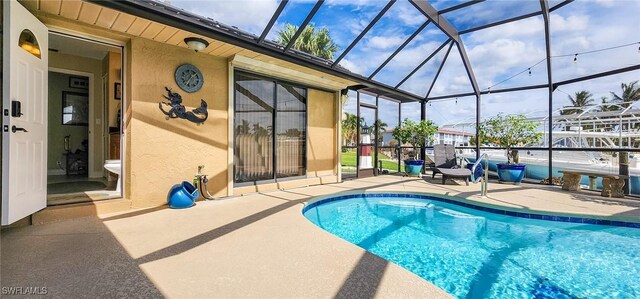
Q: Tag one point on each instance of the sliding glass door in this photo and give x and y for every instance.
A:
(291, 136)
(269, 129)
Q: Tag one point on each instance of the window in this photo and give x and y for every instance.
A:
(270, 119)
(28, 42)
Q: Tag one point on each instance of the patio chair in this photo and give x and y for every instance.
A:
(446, 164)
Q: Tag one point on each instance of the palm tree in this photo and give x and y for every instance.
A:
(630, 94)
(350, 127)
(608, 105)
(582, 99)
(315, 42)
(382, 126)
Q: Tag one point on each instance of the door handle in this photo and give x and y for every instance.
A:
(16, 129)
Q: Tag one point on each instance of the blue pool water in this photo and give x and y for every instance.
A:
(477, 254)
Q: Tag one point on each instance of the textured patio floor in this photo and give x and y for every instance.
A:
(254, 246)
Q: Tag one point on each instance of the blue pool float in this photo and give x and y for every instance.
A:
(182, 196)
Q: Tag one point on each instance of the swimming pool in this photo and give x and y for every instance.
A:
(472, 253)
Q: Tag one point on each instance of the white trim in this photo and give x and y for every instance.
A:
(92, 140)
(230, 128)
(122, 46)
(123, 115)
(104, 81)
(339, 135)
(85, 36)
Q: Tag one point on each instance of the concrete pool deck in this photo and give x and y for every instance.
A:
(252, 246)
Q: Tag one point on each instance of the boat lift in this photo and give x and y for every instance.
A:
(587, 128)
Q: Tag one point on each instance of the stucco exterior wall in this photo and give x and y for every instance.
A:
(165, 152)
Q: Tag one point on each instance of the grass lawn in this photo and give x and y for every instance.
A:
(349, 159)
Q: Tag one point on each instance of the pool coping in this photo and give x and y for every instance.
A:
(486, 207)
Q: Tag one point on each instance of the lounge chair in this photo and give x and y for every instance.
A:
(446, 163)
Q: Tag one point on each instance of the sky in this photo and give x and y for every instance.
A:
(495, 54)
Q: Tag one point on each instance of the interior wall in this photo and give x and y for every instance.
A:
(164, 152)
(58, 83)
(114, 76)
(93, 66)
(321, 145)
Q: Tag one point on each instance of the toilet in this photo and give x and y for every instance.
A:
(115, 167)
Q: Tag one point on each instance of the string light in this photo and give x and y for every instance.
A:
(575, 60)
(505, 80)
(597, 50)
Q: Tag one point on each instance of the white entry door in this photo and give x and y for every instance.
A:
(24, 112)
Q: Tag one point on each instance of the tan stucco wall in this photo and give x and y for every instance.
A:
(165, 152)
(322, 130)
(93, 66)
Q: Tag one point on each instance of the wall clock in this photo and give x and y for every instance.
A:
(189, 78)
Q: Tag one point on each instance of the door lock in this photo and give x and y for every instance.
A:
(16, 109)
(16, 129)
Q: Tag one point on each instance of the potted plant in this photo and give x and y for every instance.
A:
(508, 131)
(417, 134)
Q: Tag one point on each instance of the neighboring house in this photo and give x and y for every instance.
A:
(457, 138)
(444, 136)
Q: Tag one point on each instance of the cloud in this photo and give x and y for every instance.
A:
(497, 60)
(607, 3)
(385, 42)
(409, 15)
(526, 28)
(569, 23)
(353, 67)
(249, 15)
(355, 3)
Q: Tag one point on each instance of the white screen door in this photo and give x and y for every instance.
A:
(24, 132)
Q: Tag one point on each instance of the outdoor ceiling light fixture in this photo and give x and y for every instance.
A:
(195, 43)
